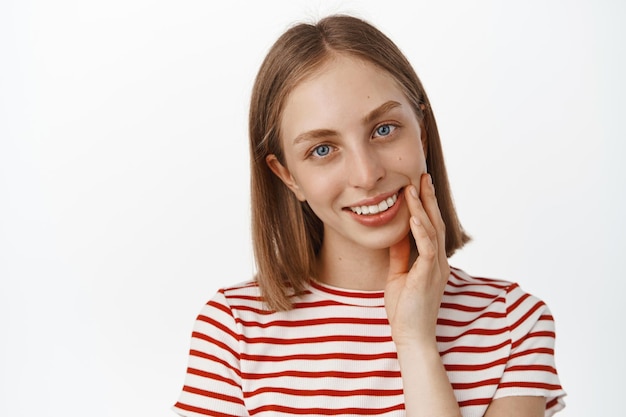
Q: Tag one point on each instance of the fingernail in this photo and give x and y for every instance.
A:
(415, 220)
(413, 191)
(430, 183)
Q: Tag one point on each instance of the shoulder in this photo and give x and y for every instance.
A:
(460, 281)
(517, 336)
(462, 284)
(222, 303)
(505, 300)
(232, 297)
(242, 290)
(467, 293)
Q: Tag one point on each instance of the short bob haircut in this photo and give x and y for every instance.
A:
(286, 234)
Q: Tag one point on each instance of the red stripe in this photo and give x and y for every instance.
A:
(481, 332)
(552, 403)
(204, 411)
(471, 294)
(218, 325)
(204, 355)
(477, 384)
(501, 285)
(525, 384)
(244, 298)
(315, 304)
(475, 367)
(216, 342)
(544, 333)
(258, 299)
(323, 374)
(526, 315)
(517, 302)
(244, 307)
(319, 339)
(212, 358)
(314, 322)
(471, 309)
(475, 402)
(243, 285)
(349, 294)
(327, 411)
(455, 323)
(521, 368)
(321, 356)
(212, 376)
(546, 351)
(326, 392)
(211, 394)
(260, 311)
(220, 307)
(475, 349)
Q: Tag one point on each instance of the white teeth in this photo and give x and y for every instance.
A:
(376, 208)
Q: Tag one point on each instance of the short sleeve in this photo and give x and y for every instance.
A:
(213, 380)
(531, 368)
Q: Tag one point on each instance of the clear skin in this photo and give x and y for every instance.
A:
(350, 138)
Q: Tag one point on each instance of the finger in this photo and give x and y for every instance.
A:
(431, 206)
(429, 202)
(427, 251)
(417, 210)
(399, 255)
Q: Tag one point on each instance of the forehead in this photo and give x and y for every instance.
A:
(343, 89)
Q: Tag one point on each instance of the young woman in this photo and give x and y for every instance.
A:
(354, 310)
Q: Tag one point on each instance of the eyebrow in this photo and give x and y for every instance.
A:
(380, 110)
(368, 119)
(313, 135)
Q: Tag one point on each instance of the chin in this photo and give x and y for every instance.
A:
(386, 241)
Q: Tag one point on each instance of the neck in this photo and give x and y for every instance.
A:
(353, 267)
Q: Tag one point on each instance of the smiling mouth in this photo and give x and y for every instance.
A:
(376, 208)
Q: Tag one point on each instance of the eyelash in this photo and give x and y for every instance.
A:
(392, 128)
(321, 145)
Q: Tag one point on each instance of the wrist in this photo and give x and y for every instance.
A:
(426, 348)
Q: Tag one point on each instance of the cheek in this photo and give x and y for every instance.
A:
(410, 161)
(314, 184)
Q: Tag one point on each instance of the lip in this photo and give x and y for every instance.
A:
(378, 219)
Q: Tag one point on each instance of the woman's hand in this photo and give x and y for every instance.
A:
(413, 296)
(412, 300)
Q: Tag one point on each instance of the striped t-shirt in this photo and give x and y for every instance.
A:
(332, 354)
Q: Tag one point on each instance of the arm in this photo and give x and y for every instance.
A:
(412, 299)
(522, 406)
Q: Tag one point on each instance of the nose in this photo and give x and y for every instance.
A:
(365, 168)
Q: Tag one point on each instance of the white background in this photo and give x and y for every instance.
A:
(124, 178)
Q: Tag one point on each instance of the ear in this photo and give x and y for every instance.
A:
(285, 176)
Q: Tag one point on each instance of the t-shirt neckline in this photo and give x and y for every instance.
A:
(348, 296)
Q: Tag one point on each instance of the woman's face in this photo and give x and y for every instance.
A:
(351, 144)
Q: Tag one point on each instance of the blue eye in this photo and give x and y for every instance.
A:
(321, 150)
(384, 130)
